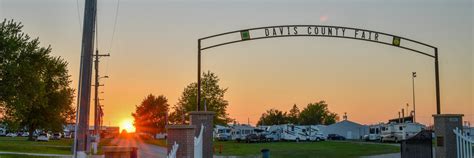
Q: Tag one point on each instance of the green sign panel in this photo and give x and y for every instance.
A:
(396, 41)
(245, 35)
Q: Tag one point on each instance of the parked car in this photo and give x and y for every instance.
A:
(266, 137)
(43, 137)
(25, 134)
(336, 137)
(318, 137)
(56, 136)
(12, 135)
(272, 136)
(366, 137)
(161, 136)
(252, 138)
(67, 135)
(223, 136)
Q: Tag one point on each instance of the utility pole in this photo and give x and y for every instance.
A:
(81, 145)
(96, 97)
(408, 111)
(413, 85)
(399, 117)
(403, 116)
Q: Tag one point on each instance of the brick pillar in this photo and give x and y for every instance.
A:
(183, 135)
(445, 137)
(205, 118)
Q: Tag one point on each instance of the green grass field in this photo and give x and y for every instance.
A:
(305, 149)
(20, 156)
(20, 144)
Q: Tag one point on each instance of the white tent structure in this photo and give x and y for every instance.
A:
(347, 129)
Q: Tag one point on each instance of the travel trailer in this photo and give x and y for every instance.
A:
(290, 132)
(222, 133)
(274, 133)
(375, 132)
(400, 131)
(239, 132)
(293, 133)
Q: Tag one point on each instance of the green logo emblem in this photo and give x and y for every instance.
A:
(396, 41)
(245, 35)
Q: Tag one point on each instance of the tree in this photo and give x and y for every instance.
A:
(150, 115)
(294, 114)
(273, 117)
(317, 113)
(34, 86)
(212, 97)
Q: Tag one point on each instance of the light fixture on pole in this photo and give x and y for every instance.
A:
(413, 86)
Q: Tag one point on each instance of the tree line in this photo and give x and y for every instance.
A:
(35, 88)
(313, 114)
(153, 113)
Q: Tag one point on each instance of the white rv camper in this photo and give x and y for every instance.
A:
(274, 133)
(375, 132)
(315, 134)
(239, 132)
(222, 133)
(294, 133)
(400, 131)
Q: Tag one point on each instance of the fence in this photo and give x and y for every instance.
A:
(173, 151)
(464, 144)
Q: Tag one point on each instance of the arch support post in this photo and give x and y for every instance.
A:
(198, 108)
(438, 101)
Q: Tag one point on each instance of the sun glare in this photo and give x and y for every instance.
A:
(127, 125)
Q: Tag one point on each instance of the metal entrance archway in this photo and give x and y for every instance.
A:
(320, 31)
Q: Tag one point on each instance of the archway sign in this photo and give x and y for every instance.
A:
(317, 31)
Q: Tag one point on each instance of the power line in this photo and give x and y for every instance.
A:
(115, 24)
(113, 34)
(79, 15)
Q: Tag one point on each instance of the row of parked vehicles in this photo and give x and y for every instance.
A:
(390, 132)
(38, 135)
(286, 132)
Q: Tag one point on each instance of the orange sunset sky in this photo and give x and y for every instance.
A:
(154, 50)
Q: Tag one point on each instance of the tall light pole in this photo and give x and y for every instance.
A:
(413, 76)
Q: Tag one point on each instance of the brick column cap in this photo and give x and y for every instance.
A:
(180, 126)
(448, 115)
(202, 113)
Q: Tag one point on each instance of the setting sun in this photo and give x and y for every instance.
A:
(127, 125)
